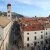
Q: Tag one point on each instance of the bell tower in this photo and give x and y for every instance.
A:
(9, 11)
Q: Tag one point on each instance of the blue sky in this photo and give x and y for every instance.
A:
(29, 8)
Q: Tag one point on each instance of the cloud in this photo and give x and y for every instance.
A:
(44, 4)
(24, 1)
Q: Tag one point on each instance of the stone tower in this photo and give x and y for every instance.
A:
(9, 12)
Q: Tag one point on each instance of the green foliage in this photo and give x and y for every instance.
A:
(49, 16)
(4, 13)
(35, 16)
(0, 13)
(14, 14)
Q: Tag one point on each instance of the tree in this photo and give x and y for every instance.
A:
(4, 13)
(35, 16)
(0, 13)
(49, 16)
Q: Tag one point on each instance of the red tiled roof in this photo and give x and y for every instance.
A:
(32, 25)
(31, 28)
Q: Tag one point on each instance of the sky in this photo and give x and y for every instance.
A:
(30, 8)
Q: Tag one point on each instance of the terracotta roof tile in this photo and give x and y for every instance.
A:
(32, 25)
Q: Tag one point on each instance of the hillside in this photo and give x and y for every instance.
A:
(14, 14)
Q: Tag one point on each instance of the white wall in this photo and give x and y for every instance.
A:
(6, 35)
(31, 37)
(38, 35)
(9, 9)
(1, 37)
(1, 32)
(48, 33)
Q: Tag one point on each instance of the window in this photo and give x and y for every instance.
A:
(35, 43)
(19, 46)
(41, 36)
(35, 37)
(42, 42)
(8, 11)
(28, 45)
(14, 42)
(27, 33)
(35, 32)
(46, 33)
(41, 32)
(12, 29)
(27, 38)
(0, 37)
(32, 44)
(38, 42)
(46, 41)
